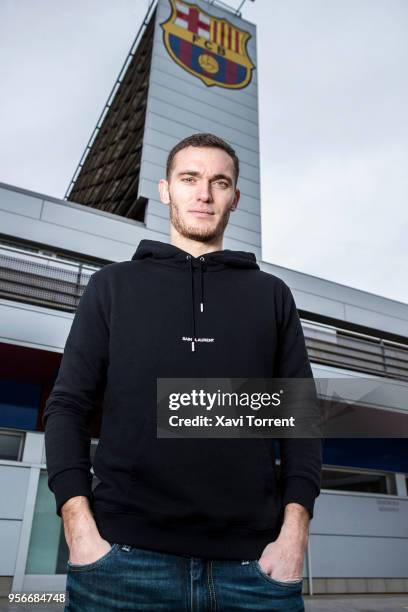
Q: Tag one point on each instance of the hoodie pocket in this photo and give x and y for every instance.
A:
(224, 482)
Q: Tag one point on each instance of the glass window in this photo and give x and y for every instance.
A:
(365, 482)
(11, 445)
(48, 551)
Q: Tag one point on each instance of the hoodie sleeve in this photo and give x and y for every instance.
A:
(301, 458)
(79, 385)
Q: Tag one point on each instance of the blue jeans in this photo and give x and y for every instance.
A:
(128, 578)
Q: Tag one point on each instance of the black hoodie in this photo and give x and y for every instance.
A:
(168, 314)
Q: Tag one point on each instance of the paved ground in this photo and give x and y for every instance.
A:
(318, 603)
(356, 603)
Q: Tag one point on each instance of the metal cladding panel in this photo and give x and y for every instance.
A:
(359, 557)
(203, 79)
(330, 299)
(215, 98)
(368, 532)
(188, 103)
(28, 207)
(164, 135)
(9, 537)
(361, 515)
(14, 480)
(198, 122)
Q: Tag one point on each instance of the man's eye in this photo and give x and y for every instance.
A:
(222, 184)
(188, 179)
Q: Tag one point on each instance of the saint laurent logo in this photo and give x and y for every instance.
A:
(189, 339)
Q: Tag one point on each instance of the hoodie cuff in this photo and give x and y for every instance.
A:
(300, 491)
(71, 483)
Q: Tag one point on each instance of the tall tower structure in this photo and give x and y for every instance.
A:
(192, 69)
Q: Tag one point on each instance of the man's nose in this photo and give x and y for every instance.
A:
(204, 191)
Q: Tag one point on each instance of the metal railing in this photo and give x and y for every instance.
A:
(356, 351)
(41, 279)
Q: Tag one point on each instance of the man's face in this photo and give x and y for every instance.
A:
(200, 192)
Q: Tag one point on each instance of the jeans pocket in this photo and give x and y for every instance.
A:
(291, 584)
(88, 566)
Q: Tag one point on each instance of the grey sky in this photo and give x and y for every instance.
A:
(333, 125)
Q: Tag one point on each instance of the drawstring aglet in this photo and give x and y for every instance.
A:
(192, 346)
(201, 307)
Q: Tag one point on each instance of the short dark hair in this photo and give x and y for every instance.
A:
(202, 140)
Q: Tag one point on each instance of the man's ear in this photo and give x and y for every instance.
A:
(164, 191)
(236, 199)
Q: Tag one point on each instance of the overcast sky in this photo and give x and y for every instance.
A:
(333, 120)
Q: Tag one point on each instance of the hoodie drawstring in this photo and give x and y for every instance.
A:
(202, 284)
(202, 260)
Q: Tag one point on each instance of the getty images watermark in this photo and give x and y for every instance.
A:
(221, 399)
(352, 407)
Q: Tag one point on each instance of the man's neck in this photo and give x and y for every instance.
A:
(194, 247)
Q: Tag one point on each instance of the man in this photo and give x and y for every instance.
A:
(180, 524)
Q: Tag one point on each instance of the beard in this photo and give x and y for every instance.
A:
(201, 234)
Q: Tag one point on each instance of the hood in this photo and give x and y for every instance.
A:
(154, 249)
(171, 255)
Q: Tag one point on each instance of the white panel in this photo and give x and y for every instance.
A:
(89, 221)
(206, 109)
(33, 447)
(359, 557)
(34, 326)
(14, 481)
(330, 299)
(365, 515)
(249, 239)
(158, 224)
(374, 319)
(167, 139)
(162, 79)
(347, 297)
(311, 302)
(161, 114)
(9, 538)
(19, 203)
(81, 237)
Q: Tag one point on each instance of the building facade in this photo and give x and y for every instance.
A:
(191, 69)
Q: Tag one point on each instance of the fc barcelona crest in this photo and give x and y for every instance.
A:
(210, 48)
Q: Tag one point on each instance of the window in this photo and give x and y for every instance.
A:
(11, 445)
(366, 482)
(48, 551)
